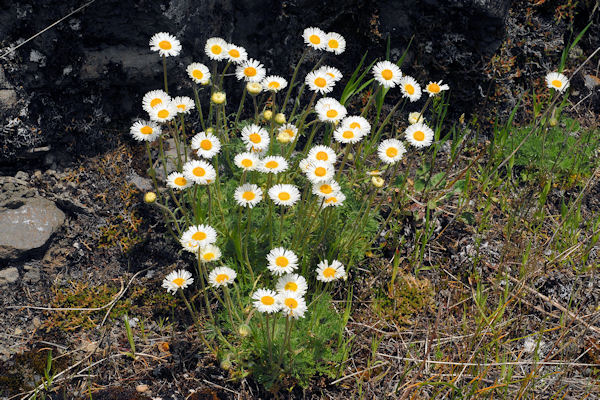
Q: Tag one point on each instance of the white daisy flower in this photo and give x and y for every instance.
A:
(235, 53)
(176, 180)
(335, 43)
(330, 110)
(177, 280)
(199, 171)
(292, 283)
(282, 261)
(305, 164)
(153, 98)
(145, 130)
(289, 129)
(163, 112)
(265, 301)
(410, 88)
(345, 134)
(387, 73)
(335, 200)
(216, 48)
(557, 81)
(391, 151)
(206, 145)
(248, 195)
(326, 188)
(199, 73)
(419, 135)
(183, 104)
(332, 72)
(292, 304)
(255, 137)
(284, 194)
(322, 153)
(254, 88)
(221, 276)
(209, 253)
(319, 171)
(166, 44)
(435, 88)
(202, 234)
(250, 70)
(273, 164)
(190, 245)
(274, 83)
(247, 161)
(415, 117)
(315, 38)
(357, 122)
(319, 81)
(327, 272)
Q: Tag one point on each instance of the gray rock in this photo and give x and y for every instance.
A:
(142, 184)
(28, 227)
(9, 275)
(32, 274)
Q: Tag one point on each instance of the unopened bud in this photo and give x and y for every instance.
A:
(218, 97)
(244, 330)
(210, 130)
(377, 181)
(150, 197)
(415, 117)
(284, 137)
(350, 157)
(280, 118)
(553, 121)
(254, 88)
(226, 365)
(267, 115)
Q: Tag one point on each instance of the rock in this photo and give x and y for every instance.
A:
(32, 275)
(142, 184)
(28, 227)
(9, 275)
(141, 388)
(22, 175)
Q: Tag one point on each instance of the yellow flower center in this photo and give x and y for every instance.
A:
(249, 71)
(163, 114)
(155, 102)
(255, 138)
(331, 113)
(354, 125)
(433, 87)
(179, 281)
(180, 181)
(222, 278)
(197, 74)
(329, 272)
(326, 189)
(272, 164)
(330, 74)
(314, 39)
(419, 135)
(234, 53)
(322, 155)
(387, 74)
(320, 82)
(199, 171)
(216, 49)
(208, 256)
(249, 196)
(331, 200)
(199, 236)
(557, 83)
(274, 85)
(289, 132)
(284, 196)
(333, 44)
(282, 261)
(206, 144)
(247, 163)
(292, 286)
(291, 303)
(320, 171)
(181, 106)
(348, 134)
(164, 44)
(146, 130)
(391, 152)
(409, 88)
(267, 300)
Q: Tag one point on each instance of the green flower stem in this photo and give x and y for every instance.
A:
(199, 107)
(370, 101)
(165, 73)
(246, 241)
(269, 337)
(240, 107)
(293, 80)
(232, 309)
(168, 211)
(196, 321)
(223, 73)
(184, 141)
(341, 168)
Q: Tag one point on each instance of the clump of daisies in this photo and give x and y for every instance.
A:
(271, 228)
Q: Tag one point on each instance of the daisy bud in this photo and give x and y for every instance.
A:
(150, 197)
(553, 121)
(244, 330)
(267, 115)
(218, 97)
(415, 117)
(284, 137)
(350, 157)
(377, 181)
(226, 365)
(210, 130)
(254, 88)
(280, 118)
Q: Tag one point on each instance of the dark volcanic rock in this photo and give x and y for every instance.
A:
(81, 81)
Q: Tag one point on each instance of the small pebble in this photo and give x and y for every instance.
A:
(141, 388)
